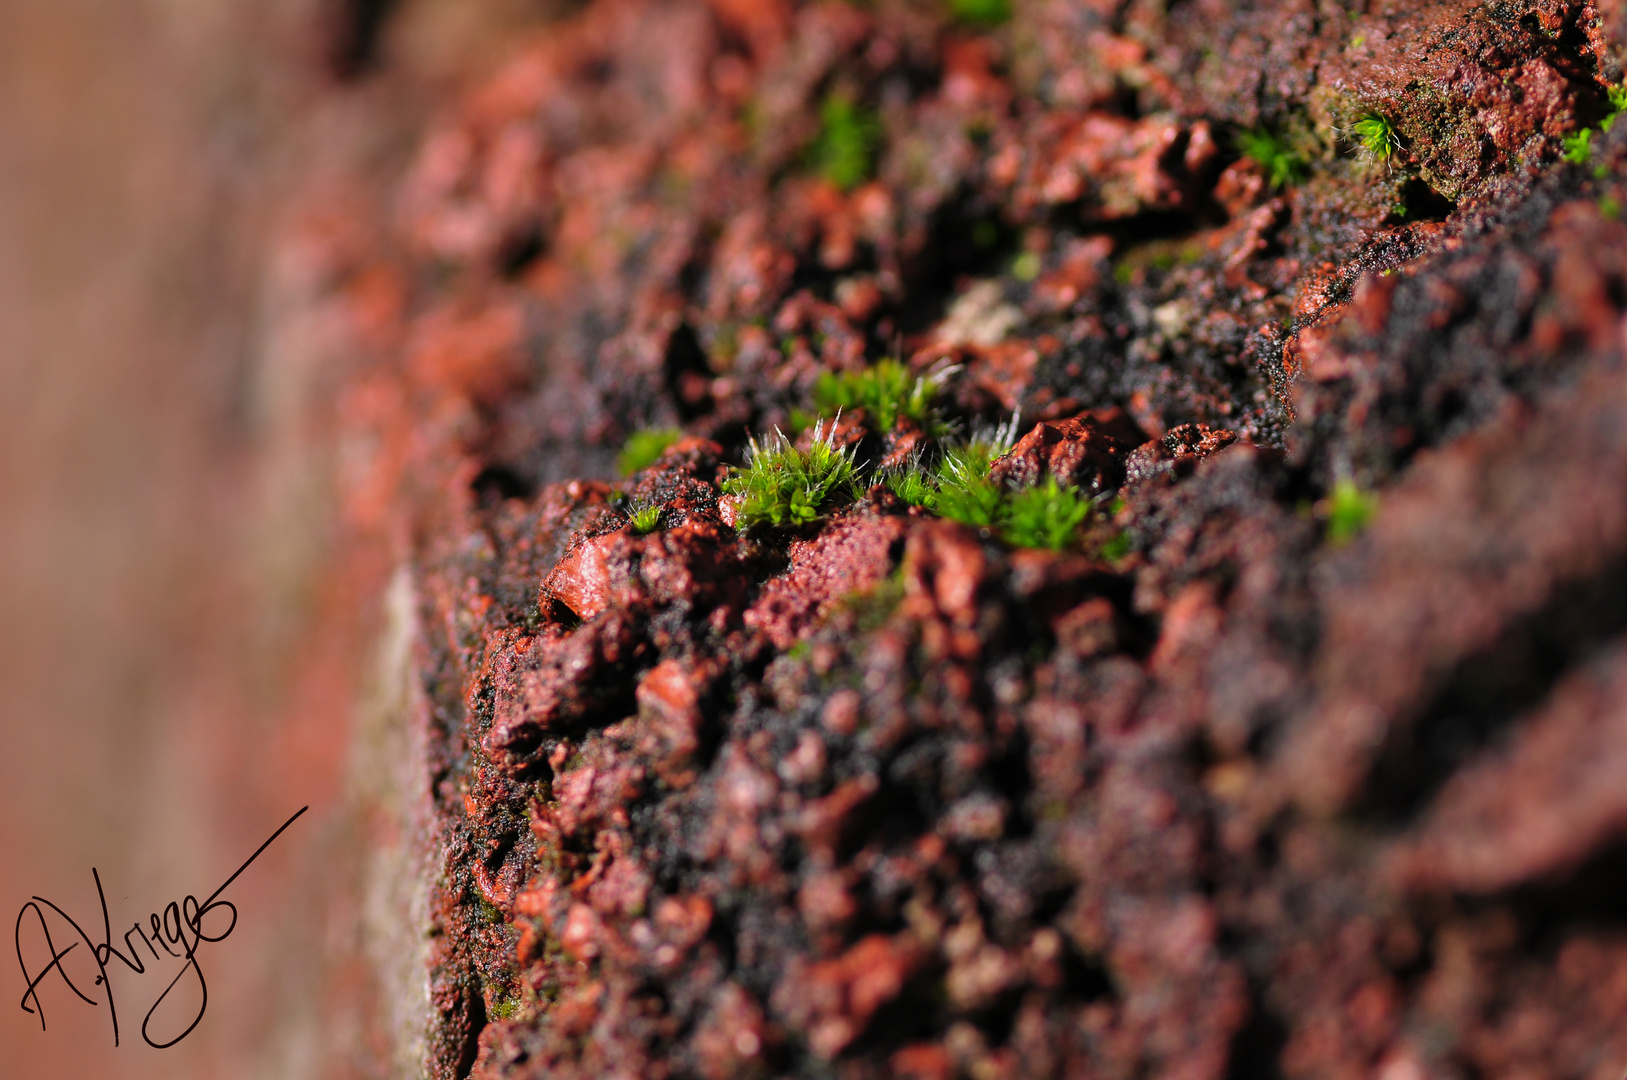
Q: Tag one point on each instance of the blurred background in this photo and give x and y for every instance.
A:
(187, 629)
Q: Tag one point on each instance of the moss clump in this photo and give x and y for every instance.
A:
(784, 486)
(1282, 163)
(844, 152)
(644, 448)
(911, 484)
(1578, 147)
(981, 12)
(885, 391)
(1349, 510)
(1046, 515)
(645, 519)
(1377, 137)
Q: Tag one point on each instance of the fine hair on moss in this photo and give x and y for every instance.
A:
(783, 486)
(644, 448)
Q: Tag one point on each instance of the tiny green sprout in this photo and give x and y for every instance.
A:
(981, 12)
(783, 486)
(1618, 99)
(910, 483)
(1578, 147)
(973, 500)
(1282, 164)
(1349, 511)
(1358, 41)
(885, 391)
(644, 448)
(1046, 515)
(844, 152)
(965, 492)
(645, 519)
(1026, 267)
(1377, 136)
(1116, 548)
(1609, 207)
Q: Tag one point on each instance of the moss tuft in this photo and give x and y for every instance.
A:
(844, 152)
(981, 12)
(885, 391)
(1046, 515)
(645, 519)
(1377, 137)
(1349, 510)
(644, 448)
(1282, 164)
(784, 486)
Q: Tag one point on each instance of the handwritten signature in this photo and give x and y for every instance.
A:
(180, 925)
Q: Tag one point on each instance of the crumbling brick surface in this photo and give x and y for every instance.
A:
(1220, 789)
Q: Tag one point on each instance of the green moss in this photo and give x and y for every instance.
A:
(1283, 164)
(1349, 511)
(1609, 207)
(975, 501)
(1578, 147)
(645, 519)
(1026, 267)
(644, 448)
(885, 391)
(911, 484)
(981, 12)
(844, 151)
(1116, 548)
(1376, 136)
(784, 486)
(1046, 515)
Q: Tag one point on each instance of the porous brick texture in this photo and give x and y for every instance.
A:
(1227, 787)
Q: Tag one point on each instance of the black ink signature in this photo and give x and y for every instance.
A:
(181, 924)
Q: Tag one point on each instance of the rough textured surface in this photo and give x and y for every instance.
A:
(1227, 787)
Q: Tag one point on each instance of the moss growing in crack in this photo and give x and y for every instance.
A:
(644, 448)
(1377, 137)
(885, 391)
(1349, 510)
(783, 486)
(845, 149)
(1283, 164)
(1578, 148)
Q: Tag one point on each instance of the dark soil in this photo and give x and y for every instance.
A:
(1230, 787)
